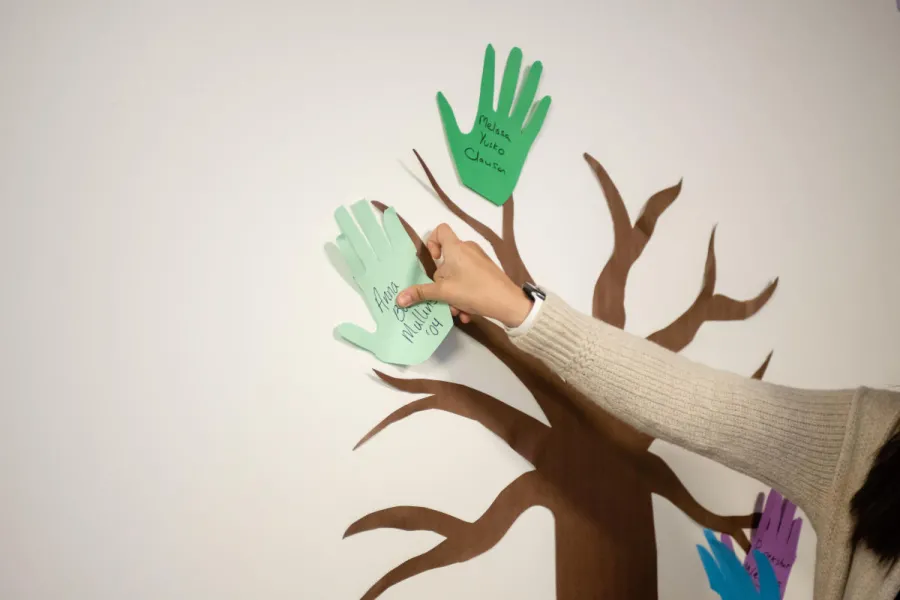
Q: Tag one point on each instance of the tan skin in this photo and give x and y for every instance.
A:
(469, 281)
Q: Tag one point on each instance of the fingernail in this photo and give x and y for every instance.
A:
(404, 299)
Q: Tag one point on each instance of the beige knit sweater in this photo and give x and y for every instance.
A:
(815, 447)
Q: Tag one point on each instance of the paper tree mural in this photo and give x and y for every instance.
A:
(593, 472)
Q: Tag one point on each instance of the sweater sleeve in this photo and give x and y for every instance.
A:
(788, 438)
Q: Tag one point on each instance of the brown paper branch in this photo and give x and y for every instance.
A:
(524, 434)
(559, 402)
(480, 228)
(515, 266)
(504, 247)
(464, 540)
(547, 389)
(761, 371)
(665, 483)
(407, 518)
(609, 290)
(709, 307)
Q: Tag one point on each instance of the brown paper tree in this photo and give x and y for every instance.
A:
(592, 471)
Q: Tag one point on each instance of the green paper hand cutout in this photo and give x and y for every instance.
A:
(383, 263)
(489, 159)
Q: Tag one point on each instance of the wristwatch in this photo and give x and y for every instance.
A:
(537, 297)
(533, 292)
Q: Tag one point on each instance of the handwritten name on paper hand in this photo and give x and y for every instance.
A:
(415, 319)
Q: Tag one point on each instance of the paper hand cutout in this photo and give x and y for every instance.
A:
(383, 263)
(489, 159)
(728, 578)
(776, 537)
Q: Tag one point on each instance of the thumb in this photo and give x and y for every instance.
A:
(419, 293)
(448, 118)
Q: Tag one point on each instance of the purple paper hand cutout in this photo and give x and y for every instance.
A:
(776, 537)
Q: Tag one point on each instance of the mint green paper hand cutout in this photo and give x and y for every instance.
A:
(489, 159)
(383, 262)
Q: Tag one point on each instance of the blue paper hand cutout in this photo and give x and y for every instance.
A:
(728, 578)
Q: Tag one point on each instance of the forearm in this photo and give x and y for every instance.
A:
(788, 438)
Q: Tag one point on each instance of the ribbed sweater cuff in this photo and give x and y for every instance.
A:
(556, 338)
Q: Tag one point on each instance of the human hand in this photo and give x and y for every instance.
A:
(490, 157)
(469, 281)
(383, 262)
(776, 537)
(728, 578)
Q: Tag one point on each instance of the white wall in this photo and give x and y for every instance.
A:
(176, 420)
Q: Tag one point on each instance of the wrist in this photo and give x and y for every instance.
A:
(517, 306)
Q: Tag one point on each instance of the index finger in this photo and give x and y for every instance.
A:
(440, 237)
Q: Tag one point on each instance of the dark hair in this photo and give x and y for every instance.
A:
(876, 506)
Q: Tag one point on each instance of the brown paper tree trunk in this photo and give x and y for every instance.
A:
(592, 471)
